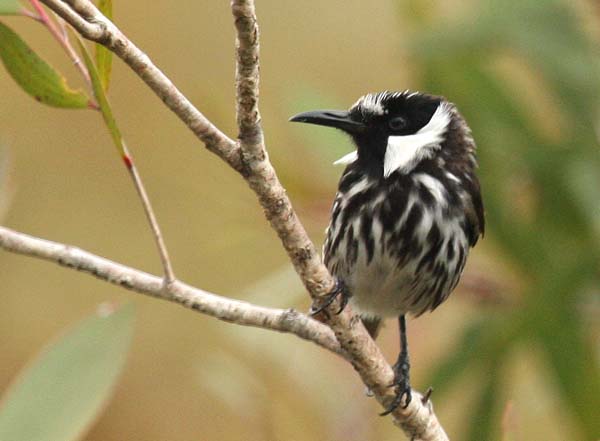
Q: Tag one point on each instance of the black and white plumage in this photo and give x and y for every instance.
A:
(407, 210)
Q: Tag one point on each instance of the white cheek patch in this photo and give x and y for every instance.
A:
(347, 159)
(403, 153)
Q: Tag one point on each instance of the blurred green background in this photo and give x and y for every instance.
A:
(513, 355)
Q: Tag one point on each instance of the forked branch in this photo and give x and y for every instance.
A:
(222, 308)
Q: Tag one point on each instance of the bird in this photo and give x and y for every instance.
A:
(408, 208)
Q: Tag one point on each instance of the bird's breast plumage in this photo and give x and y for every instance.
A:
(400, 243)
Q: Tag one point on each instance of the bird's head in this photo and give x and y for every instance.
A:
(393, 131)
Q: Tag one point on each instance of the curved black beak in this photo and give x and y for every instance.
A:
(330, 118)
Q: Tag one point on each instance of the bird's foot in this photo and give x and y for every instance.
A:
(401, 384)
(338, 290)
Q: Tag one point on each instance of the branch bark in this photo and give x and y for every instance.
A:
(222, 308)
(250, 159)
(247, 79)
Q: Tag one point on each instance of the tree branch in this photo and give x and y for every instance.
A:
(234, 311)
(247, 79)
(417, 420)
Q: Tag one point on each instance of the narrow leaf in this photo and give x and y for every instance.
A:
(100, 95)
(10, 7)
(103, 55)
(61, 393)
(557, 321)
(34, 75)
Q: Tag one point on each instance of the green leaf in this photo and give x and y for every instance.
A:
(10, 7)
(100, 95)
(61, 393)
(34, 75)
(556, 320)
(103, 55)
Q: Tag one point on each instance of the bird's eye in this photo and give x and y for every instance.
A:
(397, 123)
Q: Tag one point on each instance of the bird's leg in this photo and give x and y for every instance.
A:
(338, 290)
(401, 372)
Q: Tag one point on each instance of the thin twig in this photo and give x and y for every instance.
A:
(61, 37)
(111, 125)
(149, 211)
(234, 311)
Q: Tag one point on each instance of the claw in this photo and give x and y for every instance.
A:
(338, 290)
(397, 400)
(403, 391)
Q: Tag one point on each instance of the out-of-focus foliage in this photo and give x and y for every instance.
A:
(62, 392)
(34, 75)
(526, 77)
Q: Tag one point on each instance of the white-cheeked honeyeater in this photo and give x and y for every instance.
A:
(407, 210)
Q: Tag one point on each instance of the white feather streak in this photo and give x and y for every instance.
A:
(347, 159)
